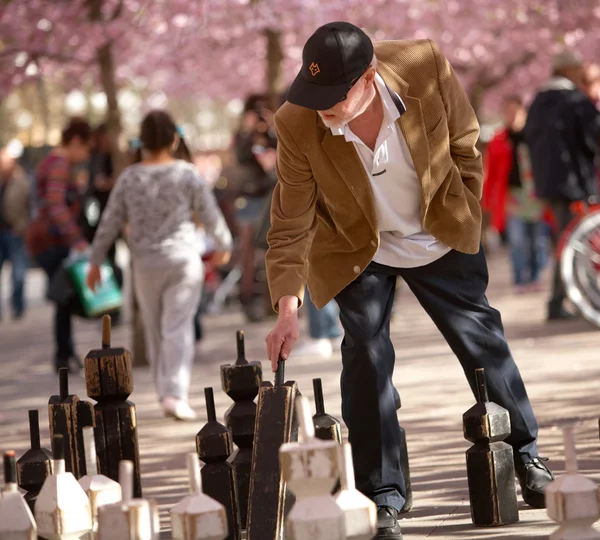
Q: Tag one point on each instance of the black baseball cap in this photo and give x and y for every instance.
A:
(333, 57)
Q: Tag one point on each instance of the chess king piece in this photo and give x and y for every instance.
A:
(573, 500)
(311, 468)
(62, 509)
(100, 489)
(16, 519)
(198, 516)
(35, 465)
(490, 466)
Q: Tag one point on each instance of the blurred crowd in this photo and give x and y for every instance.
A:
(542, 160)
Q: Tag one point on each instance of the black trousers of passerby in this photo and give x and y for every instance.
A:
(452, 292)
(51, 261)
(563, 216)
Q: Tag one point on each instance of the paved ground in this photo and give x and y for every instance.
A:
(558, 362)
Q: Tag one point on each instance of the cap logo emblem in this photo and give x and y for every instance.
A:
(314, 69)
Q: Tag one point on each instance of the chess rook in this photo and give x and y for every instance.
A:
(490, 467)
(274, 427)
(35, 465)
(62, 509)
(311, 467)
(241, 382)
(109, 381)
(214, 445)
(360, 512)
(100, 489)
(198, 516)
(327, 428)
(16, 519)
(67, 416)
(131, 518)
(573, 500)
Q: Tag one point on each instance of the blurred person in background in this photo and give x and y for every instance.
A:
(563, 133)
(14, 217)
(509, 193)
(100, 184)
(159, 198)
(55, 231)
(591, 83)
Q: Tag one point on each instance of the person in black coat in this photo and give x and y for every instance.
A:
(563, 135)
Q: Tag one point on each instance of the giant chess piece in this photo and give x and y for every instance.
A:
(68, 415)
(16, 519)
(35, 465)
(109, 381)
(490, 466)
(198, 516)
(241, 382)
(214, 445)
(62, 509)
(573, 500)
(311, 467)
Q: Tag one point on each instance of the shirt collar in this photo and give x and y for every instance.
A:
(390, 111)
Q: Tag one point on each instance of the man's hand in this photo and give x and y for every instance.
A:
(93, 278)
(285, 332)
(221, 258)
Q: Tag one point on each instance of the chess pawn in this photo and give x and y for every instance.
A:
(490, 466)
(62, 509)
(129, 519)
(16, 519)
(100, 489)
(198, 516)
(311, 468)
(35, 465)
(573, 500)
(327, 427)
(360, 513)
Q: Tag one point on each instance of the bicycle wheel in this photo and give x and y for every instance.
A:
(580, 267)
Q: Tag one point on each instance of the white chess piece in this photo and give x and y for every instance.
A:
(130, 519)
(198, 516)
(311, 469)
(100, 489)
(573, 500)
(16, 519)
(360, 512)
(62, 509)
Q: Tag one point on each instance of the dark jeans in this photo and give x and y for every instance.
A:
(51, 261)
(452, 292)
(527, 245)
(563, 216)
(12, 249)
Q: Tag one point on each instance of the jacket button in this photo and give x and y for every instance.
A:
(357, 269)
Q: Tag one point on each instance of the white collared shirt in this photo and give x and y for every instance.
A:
(396, 191)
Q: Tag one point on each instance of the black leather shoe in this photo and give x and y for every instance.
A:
(561, 314)
(387, 524)
(534, 476)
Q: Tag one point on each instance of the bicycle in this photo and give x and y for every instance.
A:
(578, 253)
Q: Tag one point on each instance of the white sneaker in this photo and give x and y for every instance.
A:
(314, 347)
(178, 409)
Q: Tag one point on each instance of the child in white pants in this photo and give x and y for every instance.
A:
(158, 197)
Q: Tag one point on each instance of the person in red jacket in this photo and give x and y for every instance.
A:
(509, 197)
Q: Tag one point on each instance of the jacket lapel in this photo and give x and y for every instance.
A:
(412, 125)
(344, 157)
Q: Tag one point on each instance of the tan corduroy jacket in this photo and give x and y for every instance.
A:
(323, 220)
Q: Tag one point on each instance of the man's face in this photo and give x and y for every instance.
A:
(347, 110)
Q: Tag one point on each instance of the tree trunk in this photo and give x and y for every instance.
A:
(274, 60)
